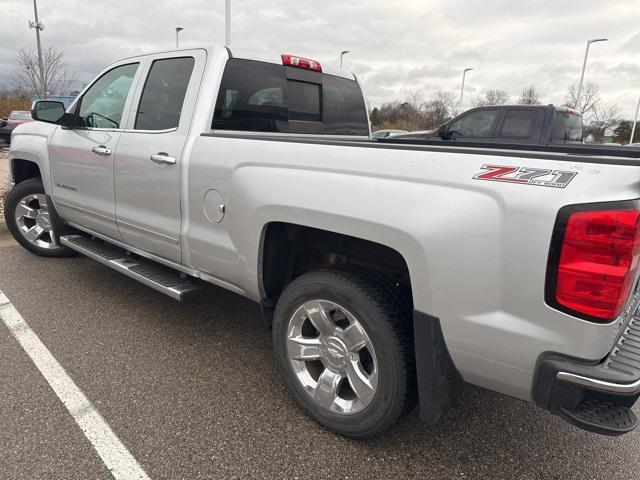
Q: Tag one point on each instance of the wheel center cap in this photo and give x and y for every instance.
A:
(335, 353)
(43, 220)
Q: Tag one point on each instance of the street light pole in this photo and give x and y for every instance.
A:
(178, 30)
(342, 54)
(39, 27)
(635, 122)
(464, 74)
(584, 67)
(227, 22)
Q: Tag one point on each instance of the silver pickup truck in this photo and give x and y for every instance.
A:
(389, 273)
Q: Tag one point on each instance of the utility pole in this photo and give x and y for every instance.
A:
(227, 22)
(635, 122)
(178, 30)
(464, 74)
(39, 27)
(584, 67)
(342, 54)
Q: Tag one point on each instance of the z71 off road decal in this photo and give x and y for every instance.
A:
(526, 175)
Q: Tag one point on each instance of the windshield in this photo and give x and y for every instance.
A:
(567, 127)
(20, 116)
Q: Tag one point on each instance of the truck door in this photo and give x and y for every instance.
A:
(81, 157)
(148, 161)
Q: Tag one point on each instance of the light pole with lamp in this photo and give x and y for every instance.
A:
(39, 27)
(464, 74)
(342, 54)
(584, 67)
(178, 30)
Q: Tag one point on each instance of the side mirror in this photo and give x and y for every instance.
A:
(48, 111)
(442, 132)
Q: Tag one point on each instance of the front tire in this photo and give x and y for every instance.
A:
(33, 221)
(343, 342)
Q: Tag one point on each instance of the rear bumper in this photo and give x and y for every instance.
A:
(565, 385)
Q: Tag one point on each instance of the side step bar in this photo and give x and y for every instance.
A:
(158, 277)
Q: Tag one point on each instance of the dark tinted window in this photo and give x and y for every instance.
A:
(252, 98)
(303, 101)
(344, 109)
(567, 127)
(163, 94)
(257, 96)
(478, 123)
(518, 124)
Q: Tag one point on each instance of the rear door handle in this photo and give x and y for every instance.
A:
(101, 150)
(162, 158)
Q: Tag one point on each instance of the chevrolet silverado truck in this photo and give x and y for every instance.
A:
(389, 274)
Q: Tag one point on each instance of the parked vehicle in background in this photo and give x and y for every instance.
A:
(388, 272)
(378, 134)
(17, 117)
(524, 124)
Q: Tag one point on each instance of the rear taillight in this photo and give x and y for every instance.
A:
(594, 258)
(301, 62)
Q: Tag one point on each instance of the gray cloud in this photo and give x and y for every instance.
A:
(396, 47)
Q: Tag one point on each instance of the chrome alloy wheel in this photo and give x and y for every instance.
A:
(34, 221)
(332, 356)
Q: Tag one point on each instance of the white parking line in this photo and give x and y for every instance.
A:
(110, 449)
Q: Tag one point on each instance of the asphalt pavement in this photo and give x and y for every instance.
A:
(192, 391)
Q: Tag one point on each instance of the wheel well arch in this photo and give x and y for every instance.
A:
(22, 170)
(289, 250)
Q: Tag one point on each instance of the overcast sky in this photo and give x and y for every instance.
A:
(396, 47)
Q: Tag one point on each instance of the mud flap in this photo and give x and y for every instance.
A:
(439, 383)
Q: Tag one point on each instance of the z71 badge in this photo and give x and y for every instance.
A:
(526, 175)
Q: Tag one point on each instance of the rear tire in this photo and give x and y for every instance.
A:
(343, 342)
(33, 221)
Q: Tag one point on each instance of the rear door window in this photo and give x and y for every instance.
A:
(265, 97)
(518, 124)
(163, 94)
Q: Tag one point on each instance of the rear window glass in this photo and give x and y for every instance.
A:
(518, 124)
(567, 127)
(258, 97)
(304, 101)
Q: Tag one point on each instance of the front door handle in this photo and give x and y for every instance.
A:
(101, 150)
(162, 158)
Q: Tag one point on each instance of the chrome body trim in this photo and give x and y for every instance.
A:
(82, 210)
(146, 230)
(601, 385)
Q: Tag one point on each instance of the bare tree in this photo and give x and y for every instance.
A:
(58, 77)
(589, 97)
(604, 117)
(529, 96)
(439, 108)
(492, 97)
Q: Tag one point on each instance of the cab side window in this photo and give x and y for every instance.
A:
(103, 103)
(475, 124)
(163, 94)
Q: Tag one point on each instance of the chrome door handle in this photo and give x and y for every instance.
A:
(162, 158)
(101, 150)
